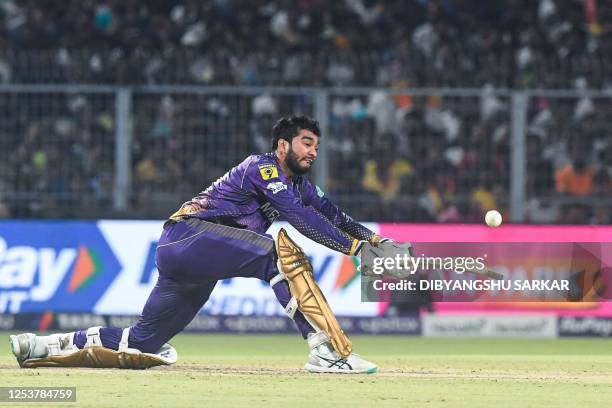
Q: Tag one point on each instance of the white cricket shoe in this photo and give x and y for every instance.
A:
(22, 346)
(324, 359)
(28, 345)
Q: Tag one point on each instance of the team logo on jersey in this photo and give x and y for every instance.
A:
(276, 187)
(320, 192)
(268, 171)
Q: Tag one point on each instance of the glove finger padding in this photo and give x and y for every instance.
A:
(311, 301)
(376, 239)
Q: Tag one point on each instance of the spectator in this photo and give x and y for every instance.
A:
(575, 178)
(426, 43)
(60, 148)
(5, 211)
(385, 175)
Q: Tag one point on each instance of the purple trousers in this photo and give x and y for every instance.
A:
(192, 255)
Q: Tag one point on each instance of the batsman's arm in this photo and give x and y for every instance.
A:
(279, 192)
(316, 198)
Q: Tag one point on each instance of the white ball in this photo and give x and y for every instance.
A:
(493, 218)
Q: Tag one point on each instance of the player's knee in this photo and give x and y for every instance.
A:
(146, 343)
(150, 345)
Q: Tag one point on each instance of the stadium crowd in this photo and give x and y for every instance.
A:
(507, 43)
(395, 157)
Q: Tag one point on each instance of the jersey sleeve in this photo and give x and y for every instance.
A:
(268, 181)
(316, 198)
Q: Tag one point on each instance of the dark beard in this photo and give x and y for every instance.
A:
(294, 165)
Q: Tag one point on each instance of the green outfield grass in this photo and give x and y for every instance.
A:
(253, 371)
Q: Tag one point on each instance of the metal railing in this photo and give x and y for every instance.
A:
(386, 154)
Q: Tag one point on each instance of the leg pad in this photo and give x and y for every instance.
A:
(292, 262)
(101, 357)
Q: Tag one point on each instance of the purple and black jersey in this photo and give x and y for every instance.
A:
(256, 192)
(193, 255)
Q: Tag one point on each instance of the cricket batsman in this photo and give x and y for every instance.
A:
(221, 234)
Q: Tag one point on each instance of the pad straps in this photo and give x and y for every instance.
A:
(93, 337)
(292, 306)
(123, 344)
(316, 339)
(281, 276)
(54, 347)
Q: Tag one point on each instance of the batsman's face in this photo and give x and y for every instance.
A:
(302, 152)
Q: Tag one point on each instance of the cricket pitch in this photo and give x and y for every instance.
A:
(266, 371)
